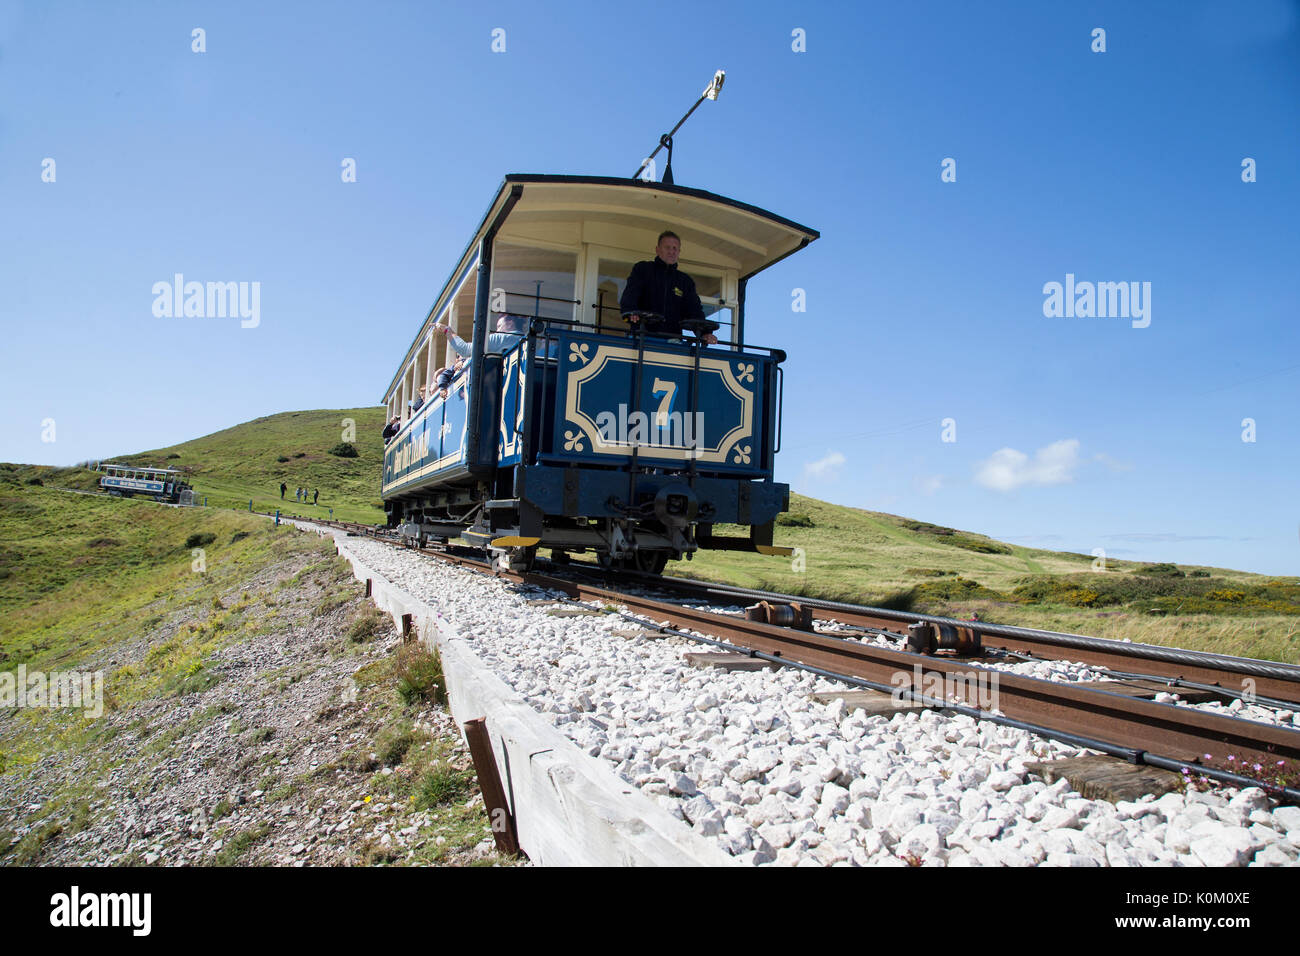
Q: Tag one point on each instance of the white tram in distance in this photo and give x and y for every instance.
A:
(160, 484)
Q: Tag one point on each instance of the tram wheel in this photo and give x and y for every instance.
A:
(649, 562)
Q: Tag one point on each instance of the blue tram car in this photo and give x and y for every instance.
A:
(160, 484)
(583, 433)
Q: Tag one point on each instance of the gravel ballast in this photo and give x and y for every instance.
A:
(749, 760)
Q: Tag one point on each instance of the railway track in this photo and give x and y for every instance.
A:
(954, 672)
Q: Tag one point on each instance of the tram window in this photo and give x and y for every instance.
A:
(535, 281)
(709, 287)
(723, 316)
(609, 317)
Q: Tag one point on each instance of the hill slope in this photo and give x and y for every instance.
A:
(241, 463)
(847, 553)
(882, 559)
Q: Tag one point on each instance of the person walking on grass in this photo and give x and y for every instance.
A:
(315, 496)
(283, 489)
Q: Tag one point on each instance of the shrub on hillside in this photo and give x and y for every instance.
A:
(300, 454)
(35, 481)
(200, 539)
(924, 527)
(958, 589)
(1090, 589)
(980, 544)
(344, 450)
(173, 455)
(1163, 570)
(281, 458)
(794, 519)
(958, 538)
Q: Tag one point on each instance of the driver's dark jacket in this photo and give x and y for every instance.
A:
(655, 286)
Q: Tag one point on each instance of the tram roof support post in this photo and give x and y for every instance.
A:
(482, 300)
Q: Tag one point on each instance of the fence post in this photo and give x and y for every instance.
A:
(489, 784)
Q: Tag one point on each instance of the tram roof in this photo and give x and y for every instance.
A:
(746, 237)
(108, 464)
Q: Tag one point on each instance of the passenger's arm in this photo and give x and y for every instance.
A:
(460, 346)
(502, 342)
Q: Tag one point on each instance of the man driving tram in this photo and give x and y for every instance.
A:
(662, 296)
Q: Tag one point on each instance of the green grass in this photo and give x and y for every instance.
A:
(850, 554)
(80, 574)
(240, 843)
(232, 466)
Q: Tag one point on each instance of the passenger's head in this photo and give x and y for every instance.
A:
(669, 247)
(510, 323)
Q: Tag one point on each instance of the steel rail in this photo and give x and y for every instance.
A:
(1271, 679)
(1142, 731)
(1273, 683)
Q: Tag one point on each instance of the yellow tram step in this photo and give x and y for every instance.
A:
(514, 541)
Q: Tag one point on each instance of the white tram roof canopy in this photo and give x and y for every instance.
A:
(631, 214)
(104, 466)
(628, 214)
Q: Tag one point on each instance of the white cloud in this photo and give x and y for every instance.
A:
(1008, 469)
(827, 467)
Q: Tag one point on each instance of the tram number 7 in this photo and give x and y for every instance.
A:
(669, 392)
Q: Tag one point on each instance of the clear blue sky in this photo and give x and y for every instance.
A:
(924, 298)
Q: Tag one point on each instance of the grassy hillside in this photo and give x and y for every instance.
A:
(247, 685)
(241, 463)
(80, 572)
(885, 560)
(848, 553)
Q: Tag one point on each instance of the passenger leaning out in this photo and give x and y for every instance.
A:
(392, 428)
(444, 376)
(510, 329)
